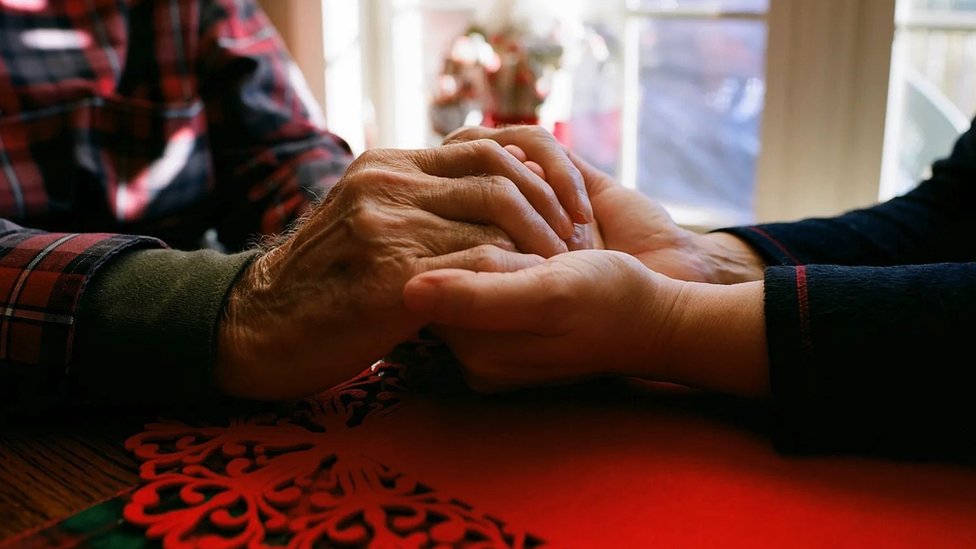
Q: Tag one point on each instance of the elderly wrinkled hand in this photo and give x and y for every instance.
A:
(327, 302)
(547, 158)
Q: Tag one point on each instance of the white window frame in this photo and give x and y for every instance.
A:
(828, 67)
(901, 73)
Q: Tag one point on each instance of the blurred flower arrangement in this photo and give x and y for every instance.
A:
(500, 70)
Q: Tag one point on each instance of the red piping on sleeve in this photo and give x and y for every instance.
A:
(806, 338)
(777, 243)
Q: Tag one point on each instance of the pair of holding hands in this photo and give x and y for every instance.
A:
(488, 239)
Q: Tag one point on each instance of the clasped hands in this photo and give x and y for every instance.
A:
(487, 239)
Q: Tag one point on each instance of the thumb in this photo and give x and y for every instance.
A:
(516, 301)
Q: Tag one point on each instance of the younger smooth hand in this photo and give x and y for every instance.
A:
(578, 315)
(628, 221)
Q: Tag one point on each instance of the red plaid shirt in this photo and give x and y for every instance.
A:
(130, 123)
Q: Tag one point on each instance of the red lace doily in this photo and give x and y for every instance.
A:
(297, 480)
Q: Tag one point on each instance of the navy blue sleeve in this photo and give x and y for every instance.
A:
(873, 359)
(871, 318)
(934, 223)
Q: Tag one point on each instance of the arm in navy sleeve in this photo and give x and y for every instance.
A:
(870, 318)
(873, 359)
(934, 223)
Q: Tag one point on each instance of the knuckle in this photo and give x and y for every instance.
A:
(366, 223)
(489, 148)
(502, 242)
(501, 189)
(502, 196)
(426, 158)
(349, 189)
(357, 164)
(539, 132)
(368, 157)
(486, 257)
(460, 135)
(375, 182)
(362, 183)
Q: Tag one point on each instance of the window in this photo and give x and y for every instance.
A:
(707, 56)
(933, 87)
(696, 91)
(381, 57)
(727, 111)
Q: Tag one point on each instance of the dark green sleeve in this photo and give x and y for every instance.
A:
(147, 327)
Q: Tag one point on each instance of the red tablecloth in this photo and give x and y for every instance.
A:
(622, 467)
(610, 464)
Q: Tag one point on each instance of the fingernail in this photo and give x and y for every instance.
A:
(581, 239)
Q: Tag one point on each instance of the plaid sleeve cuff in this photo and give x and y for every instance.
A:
(42, 277)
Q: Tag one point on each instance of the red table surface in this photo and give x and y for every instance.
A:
(642, 466)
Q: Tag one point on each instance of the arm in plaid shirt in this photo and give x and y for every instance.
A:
(169, 118)
(264, 143)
